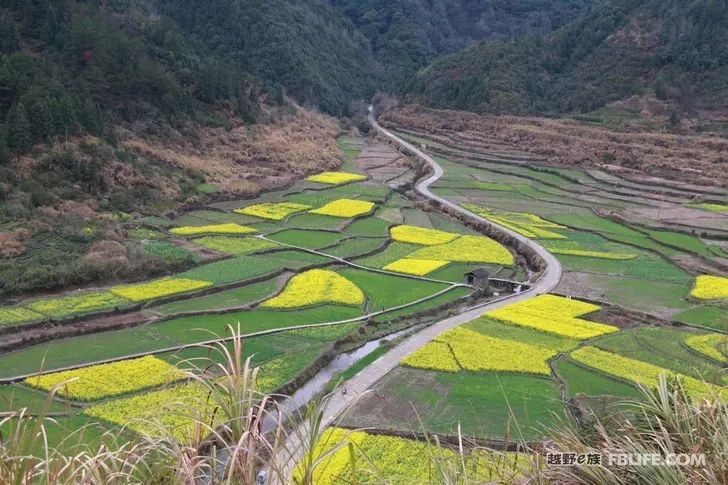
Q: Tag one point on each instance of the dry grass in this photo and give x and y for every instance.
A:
(249, 159)
(695, 158)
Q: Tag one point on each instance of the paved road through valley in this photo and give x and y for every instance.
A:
(365, 379)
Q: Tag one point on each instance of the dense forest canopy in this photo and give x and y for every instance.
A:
(617, 48)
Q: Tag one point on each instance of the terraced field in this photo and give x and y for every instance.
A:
(343, 258)
(298, 272)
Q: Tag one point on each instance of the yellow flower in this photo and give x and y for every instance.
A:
(709, 287)
(315, 287)
(473, 351)
(275, 211)
(107, 380)
(336, 178)
(641, 372)
(467, 249)
(159, 288)
(64, 306)
(421, 235)
(345, 208)
(417, 267)
(211, 229)
(713, 345)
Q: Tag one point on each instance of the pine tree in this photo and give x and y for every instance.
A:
(19, 138)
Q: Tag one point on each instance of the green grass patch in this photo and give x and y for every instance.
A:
(208, 189)
(18, 315)
(178, 331)
(394, 251)
(648, 267)
(14, 397)
(67, 306)
(242, 268)
(71, 434)
(386, 291)
(170, 252)
(369, 226)
(353, 247)
(448, 297)
(313, 221)
(580, 380)
(494, 328)
(480, 403)
(225, 299)
(682, 241)
(235, 245)
(706, 316)
(144, 234)
(661, 346)
(306, 238)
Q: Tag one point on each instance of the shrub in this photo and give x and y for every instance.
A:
(158, 289)
(108, 380)
(421, 235)
(316, 287)
(345, 208)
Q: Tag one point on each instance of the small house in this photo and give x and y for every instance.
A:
(478, 277)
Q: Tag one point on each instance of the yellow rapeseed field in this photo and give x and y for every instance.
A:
(275, 211)
(553, 314)
(709, 287)
(714, 345)
(64, 306)
(158, 413)
(108, 380)
(345, 208)
(230, 228)
(421, 235)
(316, 287)
(476, 352)
(641, 372)
(403, 460)
(419, 267)
(524, 223)
(16, 315)
(467, 249)
(336, 178)
(159, 288)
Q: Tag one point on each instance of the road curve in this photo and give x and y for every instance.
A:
(365, 379)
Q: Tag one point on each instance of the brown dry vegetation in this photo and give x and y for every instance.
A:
(246, 160)
(701, 159)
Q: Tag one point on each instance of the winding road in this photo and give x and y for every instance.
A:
(365, 379)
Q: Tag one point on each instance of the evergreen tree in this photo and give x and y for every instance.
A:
(19, 137)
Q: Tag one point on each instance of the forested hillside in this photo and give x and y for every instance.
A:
(676, 49)
(406, 35)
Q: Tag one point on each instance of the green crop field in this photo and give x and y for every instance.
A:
(581, 380)
(306, 238)
(385, 291)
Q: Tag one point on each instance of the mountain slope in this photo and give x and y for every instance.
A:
(676, 49)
